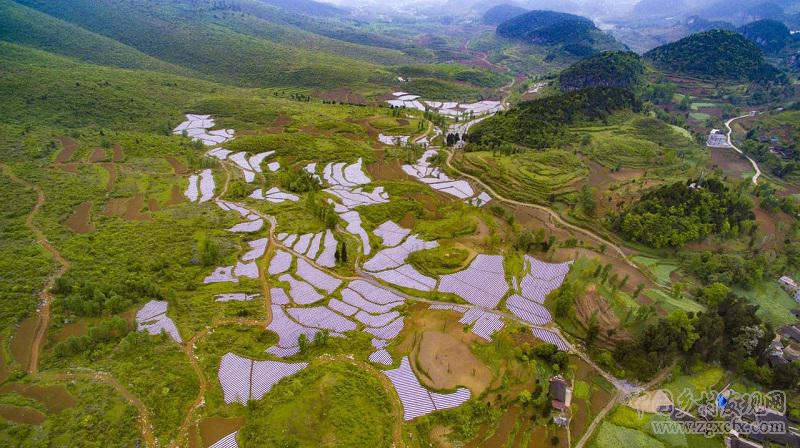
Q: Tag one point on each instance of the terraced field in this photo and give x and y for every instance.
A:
(530, 177)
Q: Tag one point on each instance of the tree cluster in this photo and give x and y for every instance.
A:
(672, 215)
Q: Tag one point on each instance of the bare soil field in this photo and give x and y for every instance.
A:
(23, 339)
(118, 154)
(175, 196)
(97, 155)
(80, 221)
(282, 121)
(730, 162)
(212, 429)
(68, 147)
(128, 208)
(448, 363)
(178, 167)
(593, 304)
(54, 398)
(68, 167)
(22, 415)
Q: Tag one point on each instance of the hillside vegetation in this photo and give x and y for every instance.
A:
(577, 35)
(541, 123)
(607, 69)
(26, 26)
(186, 33)
(672, 215)
(770, 35)
(715, 54)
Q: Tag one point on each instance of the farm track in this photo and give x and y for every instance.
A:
(557, 220)
(618, 398)
(43, 315)
(144, 415)
(730, 143)
(43, 321)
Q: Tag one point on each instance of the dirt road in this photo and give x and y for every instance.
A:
(730, 143)
(45, 297)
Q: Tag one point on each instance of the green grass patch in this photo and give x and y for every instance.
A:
(670, 303)
(612, 436)
(439, 260)
(530, 176)
(660, 269)
(699, 116)
(334, 404)
(700, 380)
(774, 304)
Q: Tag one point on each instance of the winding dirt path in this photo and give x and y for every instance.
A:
(556, 219)
(45, 297)
(730, 143)
(145, 421)
(43, 320)
(182, 436)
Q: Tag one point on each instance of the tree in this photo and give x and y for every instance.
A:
(587, 201)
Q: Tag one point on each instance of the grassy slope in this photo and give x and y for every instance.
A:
(26, 26)
(70, 94)
(264, 22)
(184, 36)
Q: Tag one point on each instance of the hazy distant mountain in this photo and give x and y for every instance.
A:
(770, 35)
(696, 24)
(501, 13)
(659, 8)
(309, 7)
(743, 11)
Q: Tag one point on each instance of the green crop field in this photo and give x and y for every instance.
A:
(530, 176)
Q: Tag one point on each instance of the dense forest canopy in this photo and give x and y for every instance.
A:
(672, 215)
(541, 123)
(548, 27)
(608, 69)
(716, 54)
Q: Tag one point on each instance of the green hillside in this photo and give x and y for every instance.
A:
(23, 25)
(184, 33)
(72, 95)
(541, 123)
(715, 54)
(607, 69)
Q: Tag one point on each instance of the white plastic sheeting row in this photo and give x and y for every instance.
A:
(418, 401)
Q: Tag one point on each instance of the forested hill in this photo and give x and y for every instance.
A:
(500, 13)
(542, 123)
(715, 54)
(608, 69)
(548, 27)
(770, 35)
